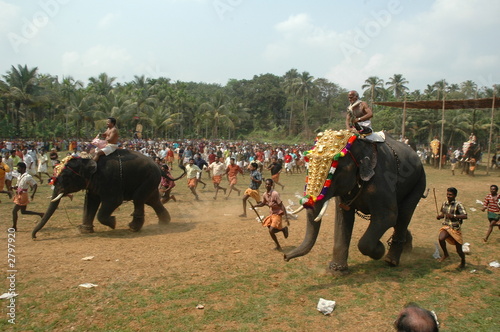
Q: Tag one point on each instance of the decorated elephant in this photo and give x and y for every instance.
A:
(471, 155)
(382, 182)
(122, 176)
(438, 154)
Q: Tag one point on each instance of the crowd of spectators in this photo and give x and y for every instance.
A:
(170, 152)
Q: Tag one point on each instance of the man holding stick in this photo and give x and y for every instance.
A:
(273, 222)
(454, 213)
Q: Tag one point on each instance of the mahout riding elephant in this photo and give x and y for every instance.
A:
(382, 180)
(472, 154)
(122, 176)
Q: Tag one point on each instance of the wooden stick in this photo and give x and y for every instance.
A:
(435, 201)
(253, 208)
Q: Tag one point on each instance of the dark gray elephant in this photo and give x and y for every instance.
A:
(122, 176)
(384, 180)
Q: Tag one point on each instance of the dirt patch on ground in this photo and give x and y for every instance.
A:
(206, 241)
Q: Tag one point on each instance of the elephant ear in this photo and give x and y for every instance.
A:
(367, 165)
(89, 167)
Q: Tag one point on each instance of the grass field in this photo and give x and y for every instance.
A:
(154, 280)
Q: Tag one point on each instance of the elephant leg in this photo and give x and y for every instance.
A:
(370, 244)
(104, 215)
(402, 238)
(161, 211)
(138, 216)
(91, 205)
(344, 223)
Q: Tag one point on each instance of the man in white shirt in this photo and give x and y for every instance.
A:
(21, 199)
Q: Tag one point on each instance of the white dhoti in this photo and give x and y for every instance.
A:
(108, 149)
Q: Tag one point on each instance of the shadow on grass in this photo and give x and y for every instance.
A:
(416, 265)
(148, 230)
(125, 233)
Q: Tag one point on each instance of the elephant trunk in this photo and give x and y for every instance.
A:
(312, 231)
(50, 210)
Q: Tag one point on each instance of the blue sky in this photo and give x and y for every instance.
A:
(216, 40)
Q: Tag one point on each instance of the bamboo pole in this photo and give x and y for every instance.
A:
(403, 125)
(488, 163)
(442, 132)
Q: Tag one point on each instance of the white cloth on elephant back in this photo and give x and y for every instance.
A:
(99, 143)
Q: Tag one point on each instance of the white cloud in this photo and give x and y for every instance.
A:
(9, 14)
(108, 20)
(98, 59)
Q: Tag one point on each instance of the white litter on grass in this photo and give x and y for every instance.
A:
(325, 306)
(260, 220)
(8, 296)
(479, 202)
(290, 202)
(88, 258)
(473, 210)
(88, 285)
(200, 306)
(473, 271)
(495, 264)
(466, 248)
(436, 253)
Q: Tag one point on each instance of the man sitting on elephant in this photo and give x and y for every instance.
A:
(358, 114)
(110, 142)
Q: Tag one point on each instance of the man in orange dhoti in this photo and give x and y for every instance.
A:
(232, 171)
(274, 221)
(454, 213)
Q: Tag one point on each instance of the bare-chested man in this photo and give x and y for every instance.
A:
(358, 114)
(111, 136)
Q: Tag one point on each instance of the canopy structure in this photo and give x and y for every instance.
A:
(449, 104)
(446, 104)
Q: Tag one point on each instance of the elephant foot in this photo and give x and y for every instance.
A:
(110, 222)
(408, 245)
(136, 224)
(86, 229)
(164, 218)
(338, 269)
(391, 261)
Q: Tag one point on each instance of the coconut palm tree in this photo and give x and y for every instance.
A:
(305, 88)
(218, 112)
(102, 84)
(469, 89)
(290, 87)
(397, 86)
(430, 91)
(376, 87)
(21, 83)
(441, 87)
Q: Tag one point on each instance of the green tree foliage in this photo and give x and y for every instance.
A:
(292, 107)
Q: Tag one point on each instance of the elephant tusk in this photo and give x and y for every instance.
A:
(322, 212)
(57, 198)
(298, 210)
